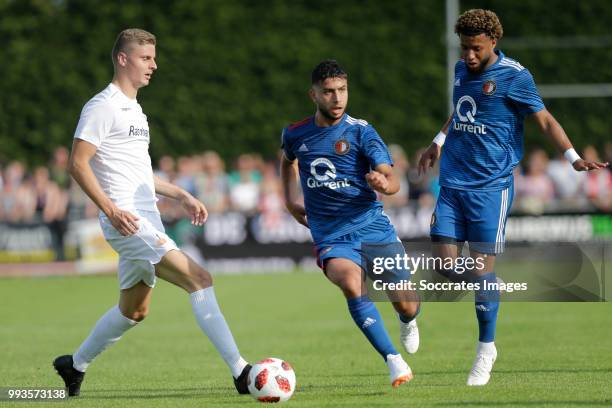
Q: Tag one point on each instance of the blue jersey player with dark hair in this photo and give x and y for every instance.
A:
(483, 143)
(342, 162)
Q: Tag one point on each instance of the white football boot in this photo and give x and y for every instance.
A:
(399, 371)
(409, 336)
(486, 353)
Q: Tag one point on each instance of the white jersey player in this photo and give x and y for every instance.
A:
(111, 163)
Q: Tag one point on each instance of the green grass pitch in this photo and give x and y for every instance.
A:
(550, 354)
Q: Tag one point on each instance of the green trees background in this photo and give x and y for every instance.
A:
(233, 73)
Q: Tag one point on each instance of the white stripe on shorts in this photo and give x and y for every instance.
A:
(503, 209)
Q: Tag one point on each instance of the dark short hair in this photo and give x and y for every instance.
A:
(327, 69)
(478, 21)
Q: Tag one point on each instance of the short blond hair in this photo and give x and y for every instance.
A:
(128, 36)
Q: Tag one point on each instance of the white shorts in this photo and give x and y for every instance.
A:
(139, 253)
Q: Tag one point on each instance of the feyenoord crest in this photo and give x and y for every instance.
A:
(342, 146)
(489, 87)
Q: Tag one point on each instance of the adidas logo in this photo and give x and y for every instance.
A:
(482, 308)
(368, 322)
(458, 82)
(303, 148)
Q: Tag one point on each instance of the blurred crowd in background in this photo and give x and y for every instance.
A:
(252, 185)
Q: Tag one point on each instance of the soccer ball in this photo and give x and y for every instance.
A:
(271, 380)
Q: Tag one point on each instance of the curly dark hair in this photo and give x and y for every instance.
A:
(478, 21)
(327, 69)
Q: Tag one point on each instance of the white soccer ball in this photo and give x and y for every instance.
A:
(271, 380)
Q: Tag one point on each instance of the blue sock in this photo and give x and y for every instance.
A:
(408, 319)
(487, 304)
(368, 320)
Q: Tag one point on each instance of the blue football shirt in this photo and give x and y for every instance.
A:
(333, 162)
(485, 137)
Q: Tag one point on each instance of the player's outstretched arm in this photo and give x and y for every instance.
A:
(551, 128)
(289, 177)
(430, 156)
(383, 180)
(194, 207)
(123, 221)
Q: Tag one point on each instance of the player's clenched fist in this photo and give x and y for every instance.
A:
(377, 181)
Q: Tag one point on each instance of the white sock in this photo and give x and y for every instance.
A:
(211, 321)
(485, 347)
(107, 331)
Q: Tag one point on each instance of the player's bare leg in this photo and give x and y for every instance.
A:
(132, 308)
(444, 251)
(134, 302)
(345, 274)
(179, 269)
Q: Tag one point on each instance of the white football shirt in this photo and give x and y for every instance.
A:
(116, 125)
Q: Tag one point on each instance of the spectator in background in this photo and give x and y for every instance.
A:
(165, 169)
(211, 182)
(244, 184)
(168, 208)
(419, 183)
(400, 169)
(271, 204)
(535, 189)
(598, 183)
(58, 169)
(51, 201)
(79, 205)
(51, 206)
(568, 183)
(426, 207)
(17, 201)
(185, 178)
(2, 218)
(608, 153)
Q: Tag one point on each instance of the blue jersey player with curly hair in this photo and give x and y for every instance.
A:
(483, 143)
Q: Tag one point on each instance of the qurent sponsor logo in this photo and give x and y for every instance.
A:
(468, 120)
(328, 178)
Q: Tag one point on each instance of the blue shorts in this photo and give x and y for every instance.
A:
(478, 217)
(375, 239)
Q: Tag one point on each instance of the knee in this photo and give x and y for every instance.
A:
(201, 279)
(350, 287)
(408, 309)
(138, 314)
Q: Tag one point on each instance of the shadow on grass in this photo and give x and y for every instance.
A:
(520, 370)
(159, 393)
(527, 403)
(556, 370)
(137, 390)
